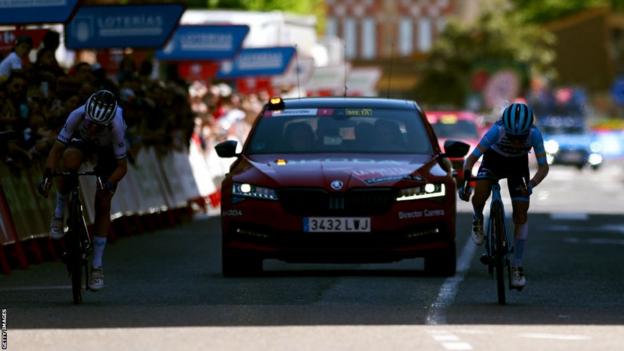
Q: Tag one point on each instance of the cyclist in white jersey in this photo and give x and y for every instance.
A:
(505, 148)
(96, 128)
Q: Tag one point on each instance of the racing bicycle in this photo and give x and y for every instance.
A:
(497, 248)
(78, 245)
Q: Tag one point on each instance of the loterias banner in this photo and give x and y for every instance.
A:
(255, 62)
(204, 43)
(122, 26)
(36, 11)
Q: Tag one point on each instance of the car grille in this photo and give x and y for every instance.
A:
(314, 201)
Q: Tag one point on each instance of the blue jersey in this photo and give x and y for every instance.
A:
(498, 140)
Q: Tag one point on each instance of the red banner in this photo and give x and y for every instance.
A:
(7, 37)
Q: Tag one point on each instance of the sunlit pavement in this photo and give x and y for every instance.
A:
(164, 291)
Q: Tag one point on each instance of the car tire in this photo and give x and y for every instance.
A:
(443, 263)
(238, 265)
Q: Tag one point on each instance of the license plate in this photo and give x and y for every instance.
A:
(336, 224)
(572, 157)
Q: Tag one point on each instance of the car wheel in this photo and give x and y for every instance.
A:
(580, 166)
(595, 167)
(237, 265)
(442, 263)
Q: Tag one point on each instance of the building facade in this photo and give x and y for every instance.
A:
(378, 29)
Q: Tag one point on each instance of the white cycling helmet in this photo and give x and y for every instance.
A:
(101, 106)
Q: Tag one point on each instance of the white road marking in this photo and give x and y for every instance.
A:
(449, 341)
(36, 288)
(457, 346)
(563, 337)
(448, 290)
(574, 216)
(445, 337)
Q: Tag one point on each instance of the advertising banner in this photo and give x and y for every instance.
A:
(7, 37)
(257, 62)
(36, 11)
(123, 26)
(200, 43)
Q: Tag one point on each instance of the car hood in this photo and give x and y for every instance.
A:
(348, 170)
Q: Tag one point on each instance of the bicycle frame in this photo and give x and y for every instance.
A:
(77, 238)
(497, 243)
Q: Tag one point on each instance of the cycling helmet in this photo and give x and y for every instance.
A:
(101, 106)
(518, 119)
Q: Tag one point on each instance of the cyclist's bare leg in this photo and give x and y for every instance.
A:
(101, 225)
(102, 221)
(521, 230)
(482, 192)
(71, 161)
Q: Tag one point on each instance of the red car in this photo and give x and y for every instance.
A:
(457, 125)
(339, 180)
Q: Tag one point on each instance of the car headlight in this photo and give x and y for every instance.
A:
(551, 146)
(426, 191)
(256, 192)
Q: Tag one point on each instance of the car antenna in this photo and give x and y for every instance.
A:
(344, 55)
(391, 66)
(297, 69)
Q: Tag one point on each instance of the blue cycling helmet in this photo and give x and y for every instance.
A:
(518, 119)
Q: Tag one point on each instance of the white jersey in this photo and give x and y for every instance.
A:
(111, 136)
(10, 63)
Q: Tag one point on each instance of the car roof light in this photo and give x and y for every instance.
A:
(276, 103)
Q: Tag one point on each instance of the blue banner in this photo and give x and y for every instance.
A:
(122, 26)
(36, 11)
(257, 62)
(209, 42)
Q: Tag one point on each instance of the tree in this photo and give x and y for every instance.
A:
(500, 37)
(542, 11)
(295, 6)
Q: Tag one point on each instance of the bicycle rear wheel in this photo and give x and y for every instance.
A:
(498, 229)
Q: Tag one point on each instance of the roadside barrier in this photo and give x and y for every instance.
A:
(158, 191)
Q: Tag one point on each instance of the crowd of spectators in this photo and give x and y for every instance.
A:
(36, 98)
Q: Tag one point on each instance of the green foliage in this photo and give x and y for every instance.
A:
(500, 37)
(295, 6)
(541, 11)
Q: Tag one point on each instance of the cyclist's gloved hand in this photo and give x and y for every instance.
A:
(464, 190)
(43, 188)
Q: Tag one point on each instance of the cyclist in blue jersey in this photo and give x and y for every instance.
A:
(98, 129)
(505, 148)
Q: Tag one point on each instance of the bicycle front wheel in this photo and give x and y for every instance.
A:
(497, 216)
(73, 238)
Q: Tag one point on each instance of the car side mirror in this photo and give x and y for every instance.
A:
(454, 148)
(227, 148)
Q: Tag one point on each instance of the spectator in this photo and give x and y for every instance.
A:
(18, 58)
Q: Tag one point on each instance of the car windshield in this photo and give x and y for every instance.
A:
(340, 130)
(562, 125)
(458, 130)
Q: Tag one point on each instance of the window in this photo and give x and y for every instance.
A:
(369, 38)
(406, 37)
(424, 34)
(331, 27)
(350, 37)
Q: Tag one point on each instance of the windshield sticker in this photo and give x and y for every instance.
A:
(293, 112)
(359, 112)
